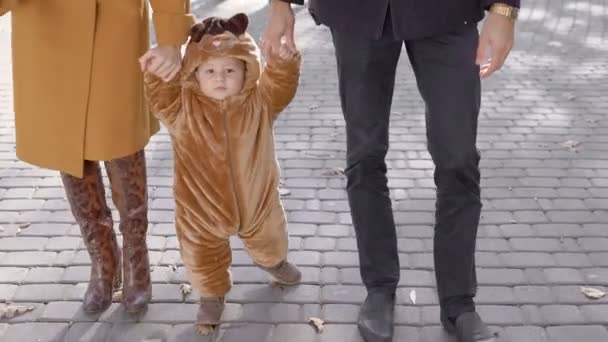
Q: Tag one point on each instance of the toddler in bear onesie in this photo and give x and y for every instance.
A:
(220, 112)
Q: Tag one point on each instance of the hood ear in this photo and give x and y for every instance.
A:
(238, 24)
(197, 32)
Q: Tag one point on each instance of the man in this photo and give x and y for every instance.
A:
(78, 92)
(447, 54)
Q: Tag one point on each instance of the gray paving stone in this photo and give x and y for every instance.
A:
(563, 276)
(186, 333)
(76, 274)
(500, 315)
(534, 294)
(271, 313)
(341, 332)
(88, 332)
(590, 333)
(595, 314)
(139, 332)
(340, 259)
(528, 259)
(12, 274)
(343, 294)
(562, 314)
(526, 334)
(501, 276)
(495, 295)
(340, 313)
(28, 259)
(294, 332)
(167, 293)
(170, 313)
(43, 332)
(44, 275)
(66, 312)
(10, 244)
(7, 291)
(61, 243)
(40, 292)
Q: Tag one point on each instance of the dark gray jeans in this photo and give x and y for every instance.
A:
(448, 81)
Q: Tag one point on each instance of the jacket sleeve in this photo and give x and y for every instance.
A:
(7, 5)
(297, 2)
(172, 21)
(488, 3)
(279, 82)
(164, 98)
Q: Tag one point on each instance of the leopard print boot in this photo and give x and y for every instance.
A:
(129, 193)
(88, 204)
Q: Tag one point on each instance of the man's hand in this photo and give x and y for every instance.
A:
(164, 61)
(497, 35)
(279, 29)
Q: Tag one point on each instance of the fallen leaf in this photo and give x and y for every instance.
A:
(335, 171)
(319, 154)
(284, 192)
(24, 225)
(413, 296)
(571, 144)
(186, 290)
(317, 323)
(11, 311)
(592, 293)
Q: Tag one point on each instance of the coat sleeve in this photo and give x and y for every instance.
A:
(164, 99)
(172, 21)
(297, 2)
(279, 82)
(7, 5)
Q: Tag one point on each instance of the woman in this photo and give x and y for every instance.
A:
(78, 99)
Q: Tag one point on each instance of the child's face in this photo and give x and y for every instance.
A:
(221, 77)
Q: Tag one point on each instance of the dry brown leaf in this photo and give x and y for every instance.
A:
(335, 171)
(24, 225)
(317, 323)
(592, 293)
(571, 144)
(12, 311)
(319, 154)
(186, 290)
(284, 192)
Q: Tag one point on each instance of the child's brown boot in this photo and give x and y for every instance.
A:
(209, 314)
(285, 273)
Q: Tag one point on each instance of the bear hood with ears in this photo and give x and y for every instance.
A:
(217, 37)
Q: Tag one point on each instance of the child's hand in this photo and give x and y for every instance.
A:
(164, 61)
(287, 53)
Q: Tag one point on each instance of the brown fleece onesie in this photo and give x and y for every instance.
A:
(226, 173)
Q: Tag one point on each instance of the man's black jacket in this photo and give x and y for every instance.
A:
(411, 19)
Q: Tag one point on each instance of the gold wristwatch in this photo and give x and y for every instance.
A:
(506, 10)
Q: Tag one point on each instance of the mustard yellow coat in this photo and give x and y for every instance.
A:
(78, 89)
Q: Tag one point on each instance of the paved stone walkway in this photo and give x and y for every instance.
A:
(544, 233)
